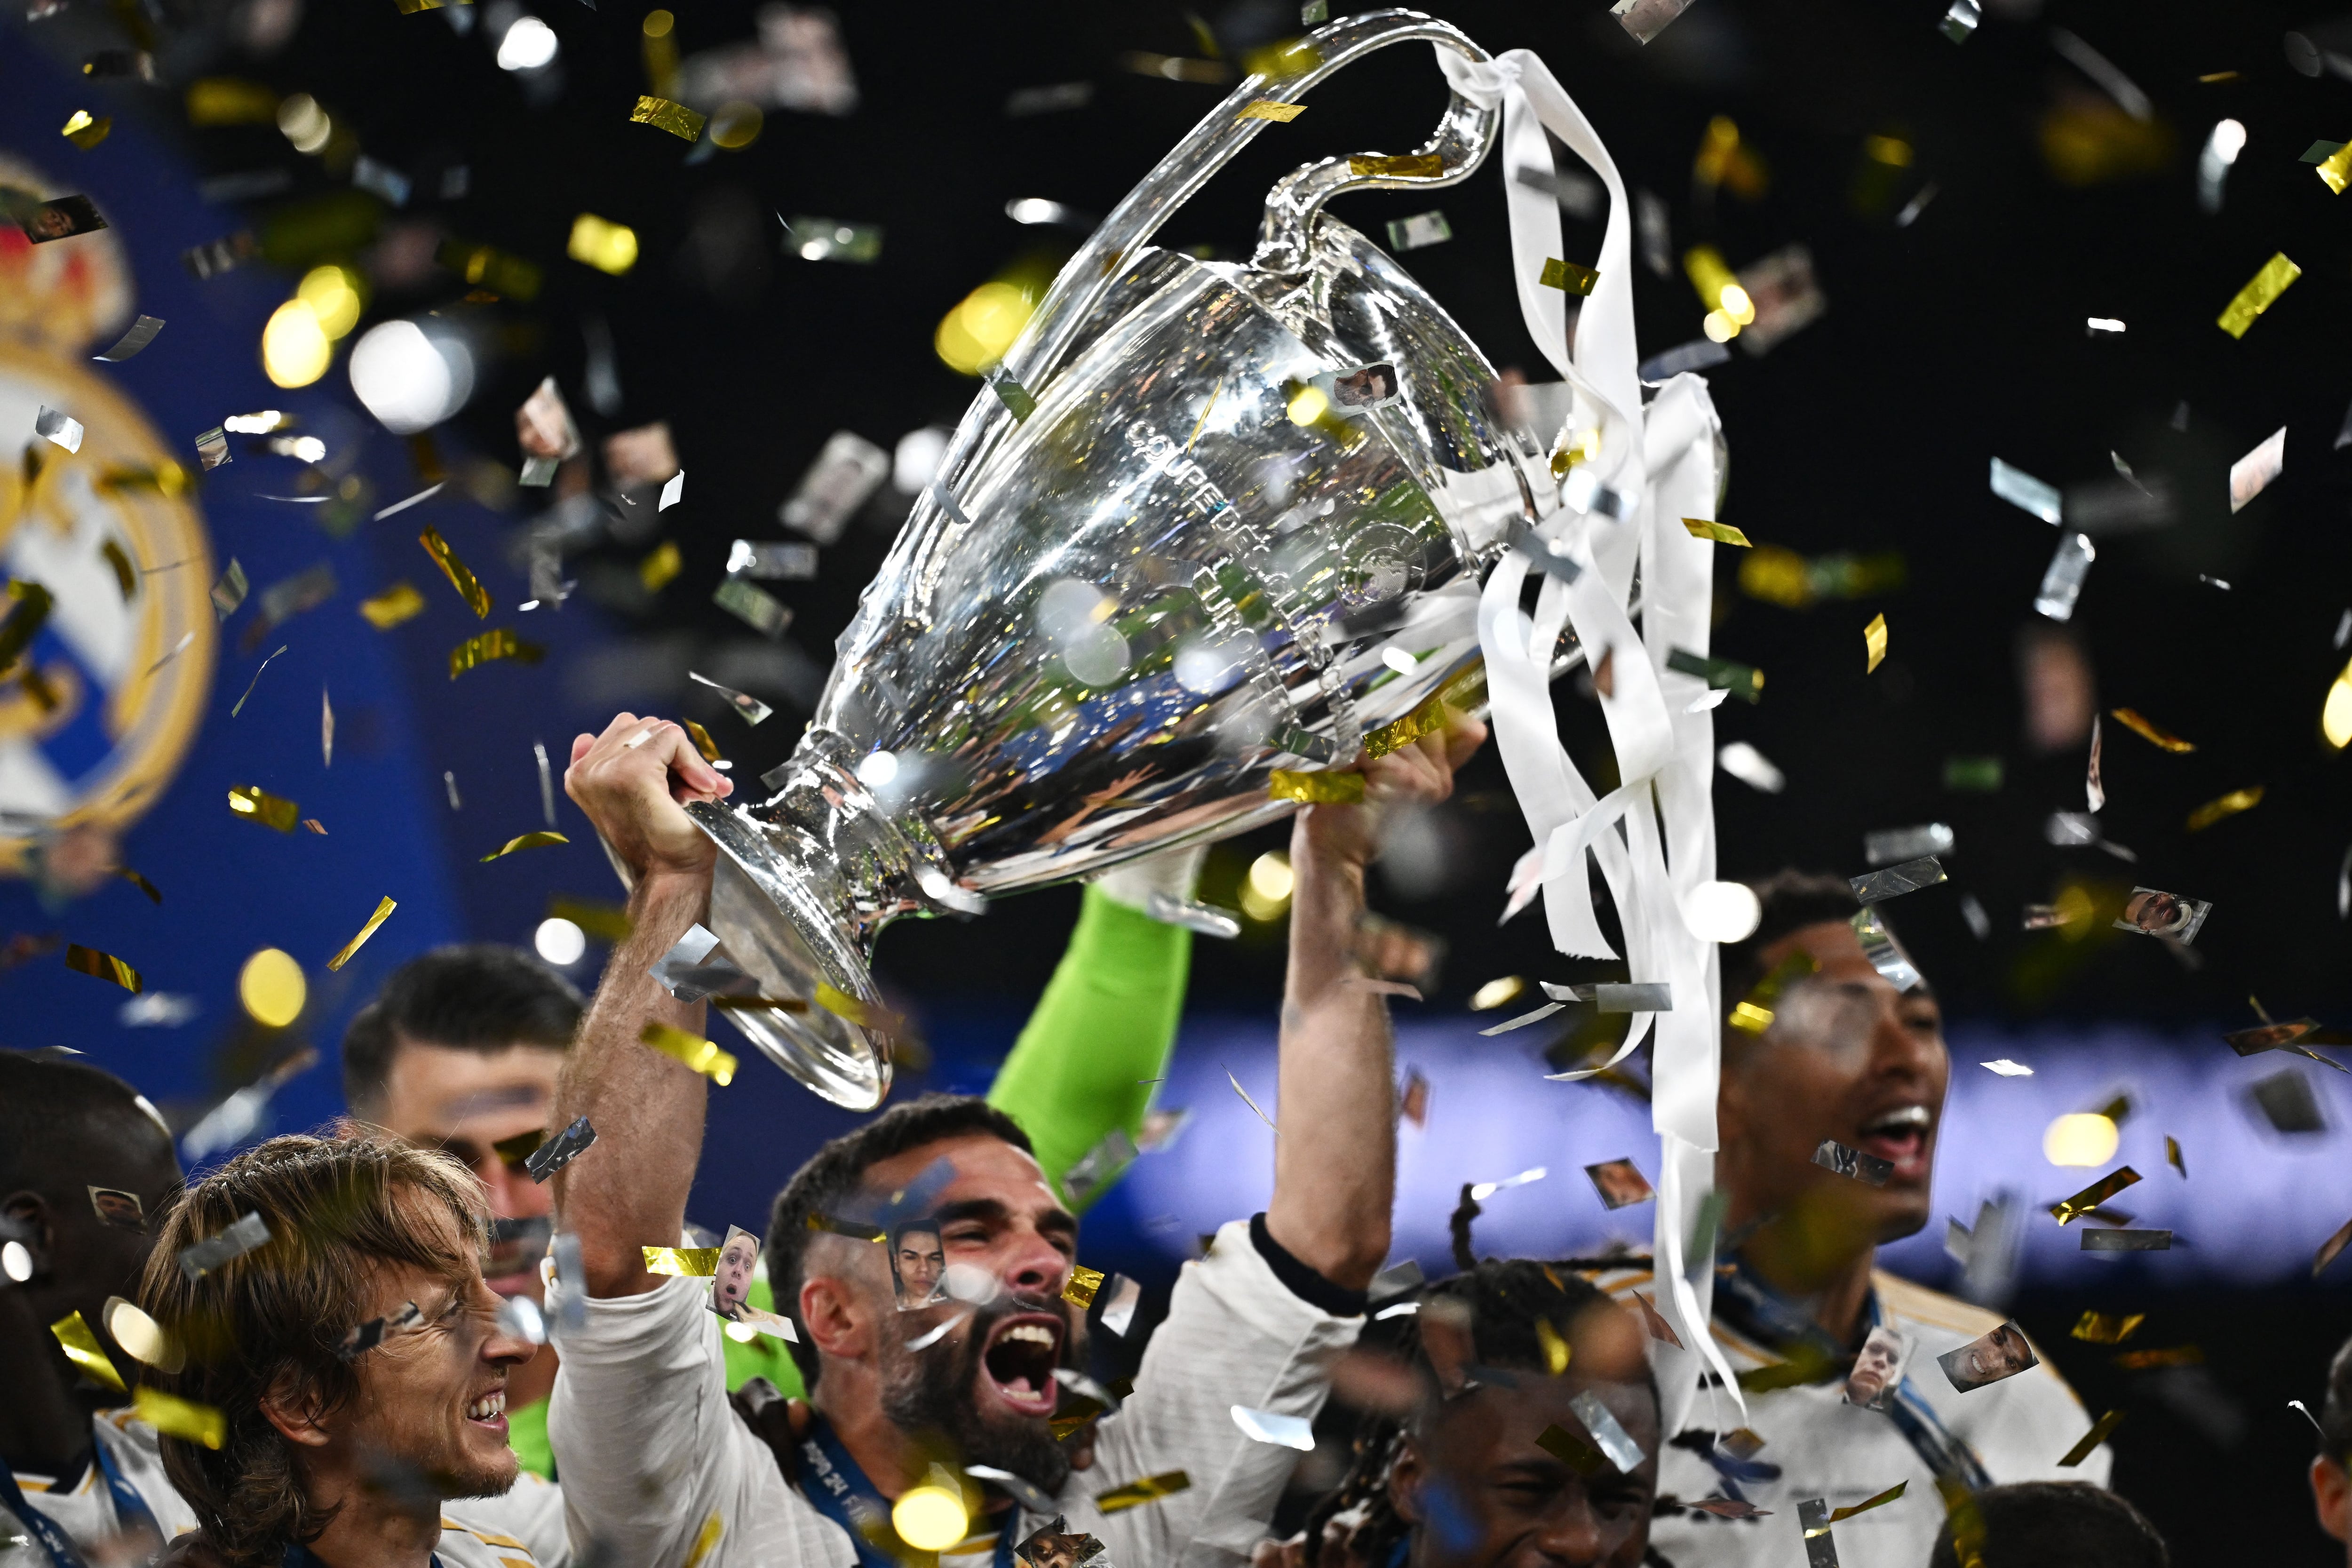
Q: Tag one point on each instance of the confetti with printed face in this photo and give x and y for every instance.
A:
(1619, 1183)
(1877, 1370)
(1999, 1353)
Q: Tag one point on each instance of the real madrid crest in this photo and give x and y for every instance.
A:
(98, 710)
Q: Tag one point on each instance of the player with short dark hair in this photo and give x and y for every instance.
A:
(970, 1382)
(1833, 1036)
(1470, 1469)
(2053, 1524)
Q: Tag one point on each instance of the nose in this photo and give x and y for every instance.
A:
(503, 1347)
(1570, 1534)
(1034, 1266)
(512, 1194)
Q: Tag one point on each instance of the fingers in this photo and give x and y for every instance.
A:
(1462, 740)
(695, 778)
(580, 745)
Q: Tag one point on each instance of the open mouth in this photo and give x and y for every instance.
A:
(1901, 1137)
(1020, 1360)
(489, 1410)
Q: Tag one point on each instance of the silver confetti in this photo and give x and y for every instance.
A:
(1897, 880)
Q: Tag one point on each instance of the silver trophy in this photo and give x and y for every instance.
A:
(1243, 527)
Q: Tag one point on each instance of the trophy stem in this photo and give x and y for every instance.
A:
(805, 881)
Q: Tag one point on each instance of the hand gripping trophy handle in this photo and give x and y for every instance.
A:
(1179, 568)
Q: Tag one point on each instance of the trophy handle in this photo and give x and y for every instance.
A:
(1462, 138)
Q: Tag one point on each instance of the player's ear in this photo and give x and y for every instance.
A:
(2331, 1495)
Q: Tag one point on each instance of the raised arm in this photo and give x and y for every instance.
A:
(1334, 1154)
(630, 1190)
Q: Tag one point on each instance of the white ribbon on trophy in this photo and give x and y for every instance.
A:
(1653, 838)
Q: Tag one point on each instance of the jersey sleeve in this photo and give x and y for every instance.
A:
(1106, 1024)
(656, 1467)
(1235, 1335)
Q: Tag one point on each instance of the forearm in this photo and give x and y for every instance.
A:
(630, 1190)
(1334, 1156)
(1101, 1034)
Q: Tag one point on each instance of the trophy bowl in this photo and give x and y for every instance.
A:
(1239, 524)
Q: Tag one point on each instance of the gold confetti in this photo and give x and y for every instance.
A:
(854, 1229)
(712, 1529)
(1866, 1504)
(2091, 1439)
(2149, 732)
(1266, 109)
(498, 642)
(469, 587)
(153, 894)
(1407, 166)
(527, 841)
(600, 243)
(2336, 171)
(103, 966)
(1315, 788)
(1151, 1488)
(2172, 1156)
(1721, 532)
(273, 810)
(177, 1417)
(1496, 993)
(86, 129)
(315, 825)
(2106, 1328)
(2259, 294)
(1874, 644)
(1556, 1350)
(1750, 1018)
(656, 570)
(688, 1262)
(1567, 276)
(703, 1056)
(2230, 805)
(1427, 720)
(382, 912)
(2068, 1210)
(865, 1014)
(703, 742)
(81, 1348)
(1083, 1282)
(396, 603)
(663, 115)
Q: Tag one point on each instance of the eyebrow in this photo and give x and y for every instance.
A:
(1057, 1219)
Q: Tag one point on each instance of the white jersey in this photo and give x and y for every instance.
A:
(657, 1465)
(2018, 1428)
(525, 1527)
(85, 1507)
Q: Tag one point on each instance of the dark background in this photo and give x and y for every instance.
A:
(1957, 337)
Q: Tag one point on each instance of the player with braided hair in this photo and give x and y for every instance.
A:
(1488, 1455)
